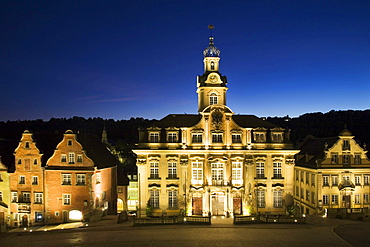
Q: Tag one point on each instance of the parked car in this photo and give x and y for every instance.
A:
(131, 213)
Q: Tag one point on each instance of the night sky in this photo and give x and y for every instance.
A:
(123, 59)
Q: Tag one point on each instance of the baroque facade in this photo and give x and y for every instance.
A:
(332, 173)
(214, 162)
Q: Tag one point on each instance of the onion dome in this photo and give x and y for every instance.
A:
(211, 50)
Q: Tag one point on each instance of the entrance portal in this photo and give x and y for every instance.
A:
(218, 205)
(197, 206)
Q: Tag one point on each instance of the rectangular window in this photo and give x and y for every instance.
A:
(63, 158)
(172, 199)
(14, 196)
(313, 179)
(236, 138)
(278, 199)
(22, 180)
(297, 191)
(66, 199)
(154, 198)
(302, 176)
(38, 198)
(277, 137)
(307, 195)
(98, 178)
(334, 199)
(260, 170)
(307, 178)
(236, 171)
(357, 159)
(79, 158)
(345, 159)
(358, 180)
(313, 198)
(154, 170)
(345, 144)
(71, 158)
(26, 197)
(357, 198)
(297, 175)
(35, 161)
(366, 198)
(197, 138)
(154, 137)
(277, 170)
(217, 172)
(334, 180)
(346, 178)
(35, 180)
(66, 179)
(38, 216)
(325, 180)
(260, 137)
(197, 172)
(69, 142)
(171, 137)
(216, 138)
(334, 158)
(81, 179)
(261, 198)
(302, 193)
(366, 179)
(325, 200)
(172, 170)
(1, 196)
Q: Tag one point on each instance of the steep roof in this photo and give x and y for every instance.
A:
(179, 120)
(97, 151)
(188, 120)
(314, 148)
(251, 121)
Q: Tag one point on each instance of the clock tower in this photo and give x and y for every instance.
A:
(211, 86)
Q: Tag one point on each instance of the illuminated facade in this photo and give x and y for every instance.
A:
(80, 177)
(4, 197)
(27, 184)
(332, 173)
(214, 162)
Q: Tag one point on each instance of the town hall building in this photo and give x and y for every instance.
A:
(215, 162)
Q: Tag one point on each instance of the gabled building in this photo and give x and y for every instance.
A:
(214, 162)
(4, 197)
(27, 184)
(332, 173)
(80, 177)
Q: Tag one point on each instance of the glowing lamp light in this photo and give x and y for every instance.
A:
(295, 221)
(75, 215)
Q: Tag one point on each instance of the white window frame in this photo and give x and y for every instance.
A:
(325, 199)
(197, 172)
(357, 198)
(172, 169)
(261, 203)
(278, 199)
(217, 171)
(197, 138)
(237, 172)
(172, 137)
(67, 199)
(14, 196)
(260, 170)
(154, 137)
(80, 179)
(236, 138)
(217, 137)
(325, 180)
(278, 169)
(71, 158)
(38, 197)
(213, 99)
(334, 199)
(172, 199)
(66, 178)
(26, 196)
(154, 169)
(154, 198)
(334, 180)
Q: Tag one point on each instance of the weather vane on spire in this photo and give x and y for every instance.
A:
(211, 27)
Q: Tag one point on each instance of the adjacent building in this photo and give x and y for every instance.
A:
(4, 197)
(332, 173)
(215, 162)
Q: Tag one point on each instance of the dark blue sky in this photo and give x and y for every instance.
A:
(122, 59)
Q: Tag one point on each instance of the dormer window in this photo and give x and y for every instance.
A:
(172, 137)
(71, 158)
(236, 138)
(63, 158)
(27, 145)
(259, 137)
(197, 138)
(69, 142)
(154, 137)
(213, 99)
(277, 137)
(334, 158)
(345, 144)
(217, 138)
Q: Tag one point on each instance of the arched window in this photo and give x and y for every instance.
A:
(213, 99)
(212, 65)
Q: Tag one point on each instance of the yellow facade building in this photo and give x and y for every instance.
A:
(214, 162)
(332, 174)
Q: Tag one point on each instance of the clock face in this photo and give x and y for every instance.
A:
(213, 78)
